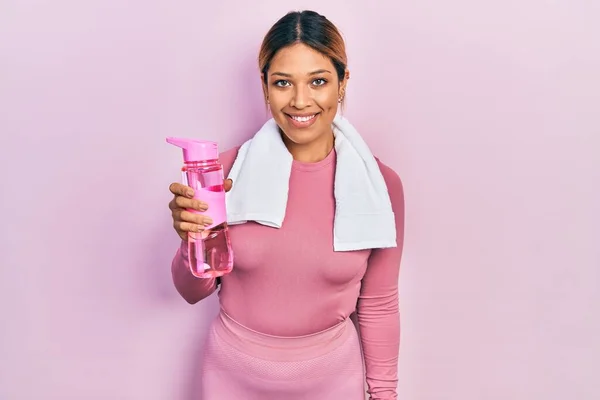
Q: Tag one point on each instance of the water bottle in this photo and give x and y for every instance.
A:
(209, 252)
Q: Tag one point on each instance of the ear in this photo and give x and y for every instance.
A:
(344, 84)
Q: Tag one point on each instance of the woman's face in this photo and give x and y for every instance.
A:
(303, 91)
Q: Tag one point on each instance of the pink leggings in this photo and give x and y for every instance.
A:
(241, 364)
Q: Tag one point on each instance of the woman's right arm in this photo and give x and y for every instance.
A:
(192, 289)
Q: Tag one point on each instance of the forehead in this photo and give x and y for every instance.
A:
(300, 59)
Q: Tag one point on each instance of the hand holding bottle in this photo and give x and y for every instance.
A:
(185, 221)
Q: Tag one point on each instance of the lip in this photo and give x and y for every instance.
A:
(305, 124)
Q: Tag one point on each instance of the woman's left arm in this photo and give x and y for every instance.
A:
(378, 306)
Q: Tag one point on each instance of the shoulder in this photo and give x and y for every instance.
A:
(395, 189)
(227, 158)
(391, 177)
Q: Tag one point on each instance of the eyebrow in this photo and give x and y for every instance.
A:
(319, 71)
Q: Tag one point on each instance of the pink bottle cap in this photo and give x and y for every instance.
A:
(196, 150)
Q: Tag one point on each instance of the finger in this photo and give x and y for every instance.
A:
(198, 219)
(194, 204)
(227, 184)
(173, 204)
(179, 202)
(179, 189)
(187, 227)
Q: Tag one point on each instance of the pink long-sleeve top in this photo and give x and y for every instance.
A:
(290, 282)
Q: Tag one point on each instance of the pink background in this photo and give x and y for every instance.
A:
(488, 110)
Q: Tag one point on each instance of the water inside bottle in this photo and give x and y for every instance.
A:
(209, 252)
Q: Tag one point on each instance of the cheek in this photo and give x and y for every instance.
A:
(279, 99)
(327, 99)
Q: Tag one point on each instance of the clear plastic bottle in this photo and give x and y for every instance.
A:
(209, 252)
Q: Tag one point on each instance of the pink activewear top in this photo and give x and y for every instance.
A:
(290, 282)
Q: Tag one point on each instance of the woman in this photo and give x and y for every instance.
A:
(284, 330)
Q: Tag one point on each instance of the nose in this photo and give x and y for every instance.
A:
(301, 98)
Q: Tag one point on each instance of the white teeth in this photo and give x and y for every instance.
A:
(303, 119)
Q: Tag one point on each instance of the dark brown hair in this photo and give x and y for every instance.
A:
(309, 28)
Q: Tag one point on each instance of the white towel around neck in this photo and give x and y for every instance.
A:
(363, 219)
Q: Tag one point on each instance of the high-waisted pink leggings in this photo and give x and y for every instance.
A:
(241, 364)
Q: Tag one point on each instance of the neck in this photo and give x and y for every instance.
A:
(310, 152)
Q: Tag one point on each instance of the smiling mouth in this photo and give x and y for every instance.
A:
(303, 119)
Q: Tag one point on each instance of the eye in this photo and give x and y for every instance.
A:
(319, 82)
(282, 83)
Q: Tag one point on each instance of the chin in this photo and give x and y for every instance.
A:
(300, 138)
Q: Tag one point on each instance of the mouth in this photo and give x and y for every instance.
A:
(302, 121)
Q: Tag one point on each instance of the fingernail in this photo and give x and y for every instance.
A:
(189, 193)
(208, 222)
(202, 206)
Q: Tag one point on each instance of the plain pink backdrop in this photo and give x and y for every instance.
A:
(488, 110)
